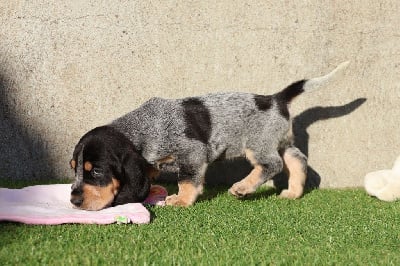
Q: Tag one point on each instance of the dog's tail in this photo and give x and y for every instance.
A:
(305, 85)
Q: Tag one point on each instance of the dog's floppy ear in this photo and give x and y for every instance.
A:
(134, 183)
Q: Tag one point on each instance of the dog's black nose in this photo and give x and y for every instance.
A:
(77, 201)
(76, 196)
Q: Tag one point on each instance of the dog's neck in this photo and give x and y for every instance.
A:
(145, 145)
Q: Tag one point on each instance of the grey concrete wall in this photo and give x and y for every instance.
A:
(68, 66)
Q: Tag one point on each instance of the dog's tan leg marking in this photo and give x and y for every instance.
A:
(295, 170)
(152, 173)
(187, 194)
(168, 159)
(251, 182)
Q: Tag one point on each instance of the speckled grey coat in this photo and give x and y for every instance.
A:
(185, 135)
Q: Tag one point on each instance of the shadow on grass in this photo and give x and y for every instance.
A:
(212, 192)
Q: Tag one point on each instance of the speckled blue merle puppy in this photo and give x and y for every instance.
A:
(113, 163)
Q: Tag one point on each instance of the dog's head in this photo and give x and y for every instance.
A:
(108, 171)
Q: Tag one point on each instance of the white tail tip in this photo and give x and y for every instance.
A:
(315, 83)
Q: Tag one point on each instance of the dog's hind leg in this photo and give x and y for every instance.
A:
(295, 166)
(263, 170)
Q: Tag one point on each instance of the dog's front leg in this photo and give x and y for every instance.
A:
(187, 194)
(190, 180)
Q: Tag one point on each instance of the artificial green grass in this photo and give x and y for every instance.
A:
(325, 227)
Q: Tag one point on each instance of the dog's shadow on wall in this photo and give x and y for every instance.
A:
(229, 172)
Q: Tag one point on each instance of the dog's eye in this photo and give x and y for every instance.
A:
(96, 172)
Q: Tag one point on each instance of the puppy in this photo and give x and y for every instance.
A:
(113, 164)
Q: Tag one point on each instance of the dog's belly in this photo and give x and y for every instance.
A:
(170, 167)
(224, 151)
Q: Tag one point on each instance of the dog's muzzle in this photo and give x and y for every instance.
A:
(76, 196)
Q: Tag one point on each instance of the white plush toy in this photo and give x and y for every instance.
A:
(384, 184)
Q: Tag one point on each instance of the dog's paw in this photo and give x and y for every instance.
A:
(175, 200)
(287, 194)
(240, 190)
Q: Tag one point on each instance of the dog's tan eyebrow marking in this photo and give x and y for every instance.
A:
(72, 163)
(88, 166)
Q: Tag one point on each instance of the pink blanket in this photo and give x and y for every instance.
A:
(49, 204)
